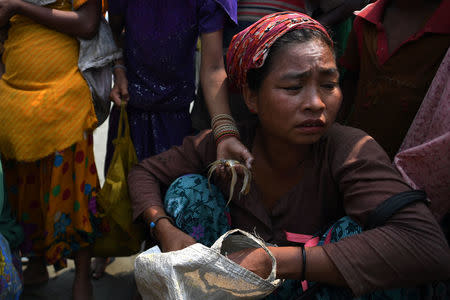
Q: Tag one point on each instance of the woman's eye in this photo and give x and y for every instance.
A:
(293, 88)
(330, 85)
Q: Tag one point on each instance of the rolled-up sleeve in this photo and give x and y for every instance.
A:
(211, 17)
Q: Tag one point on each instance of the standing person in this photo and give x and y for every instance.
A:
(391, 58)
(308, 173)
(156, 78)
(46, 123)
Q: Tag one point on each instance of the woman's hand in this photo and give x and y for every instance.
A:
(7, 10)
(119, 92)
(171, 238)
(254, 259)
(232, 148)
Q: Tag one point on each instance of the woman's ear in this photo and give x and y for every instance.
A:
(250, 98)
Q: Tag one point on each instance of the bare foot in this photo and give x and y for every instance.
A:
(99, 265)
(36, 272)
(82, 288)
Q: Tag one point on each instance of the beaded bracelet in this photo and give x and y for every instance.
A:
(217, 130)
(225, 135)
(223, 125)
(230, 131)
(221, 117)
(225, 130)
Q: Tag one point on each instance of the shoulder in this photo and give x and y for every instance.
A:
(344, 136)
(345, 144)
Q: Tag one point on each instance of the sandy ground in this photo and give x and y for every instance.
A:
(118, 282)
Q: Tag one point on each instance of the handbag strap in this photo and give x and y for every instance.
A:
(124, 126)
(386, 209)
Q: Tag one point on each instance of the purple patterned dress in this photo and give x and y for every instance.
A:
(160, 41)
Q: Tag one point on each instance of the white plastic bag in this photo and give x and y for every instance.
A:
(199, 272)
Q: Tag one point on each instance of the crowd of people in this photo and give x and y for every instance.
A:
(269, 96)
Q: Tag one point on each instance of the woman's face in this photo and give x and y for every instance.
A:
(300, 97)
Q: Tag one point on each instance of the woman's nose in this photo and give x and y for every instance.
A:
(312, 100)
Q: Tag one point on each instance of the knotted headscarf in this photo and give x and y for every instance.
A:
(249, 48)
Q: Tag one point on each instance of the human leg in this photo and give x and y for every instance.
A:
(82, 286)
(54, 199)
(82, 229)
(99, 264)
(25, 189)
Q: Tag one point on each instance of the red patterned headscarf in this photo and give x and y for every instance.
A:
(249, 48)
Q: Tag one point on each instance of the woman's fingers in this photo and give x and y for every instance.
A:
(232, 148)
(115, 95)
(247, 158)
(119, 92)
(123, 90)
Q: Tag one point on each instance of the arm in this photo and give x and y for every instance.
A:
(157, 172)
(398, 254)
(119, 91)
(81, 23)
(408, 250)
(212, 74)
(214, 82)
(319, 267)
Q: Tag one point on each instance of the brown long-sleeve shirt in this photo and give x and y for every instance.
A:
(347, 174)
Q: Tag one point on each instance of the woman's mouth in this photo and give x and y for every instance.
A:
(311, 126)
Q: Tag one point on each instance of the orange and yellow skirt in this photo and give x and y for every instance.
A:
(54, 199)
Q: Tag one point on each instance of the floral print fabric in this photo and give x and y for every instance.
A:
(10, 272)
(196, 210)
(54, 200)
